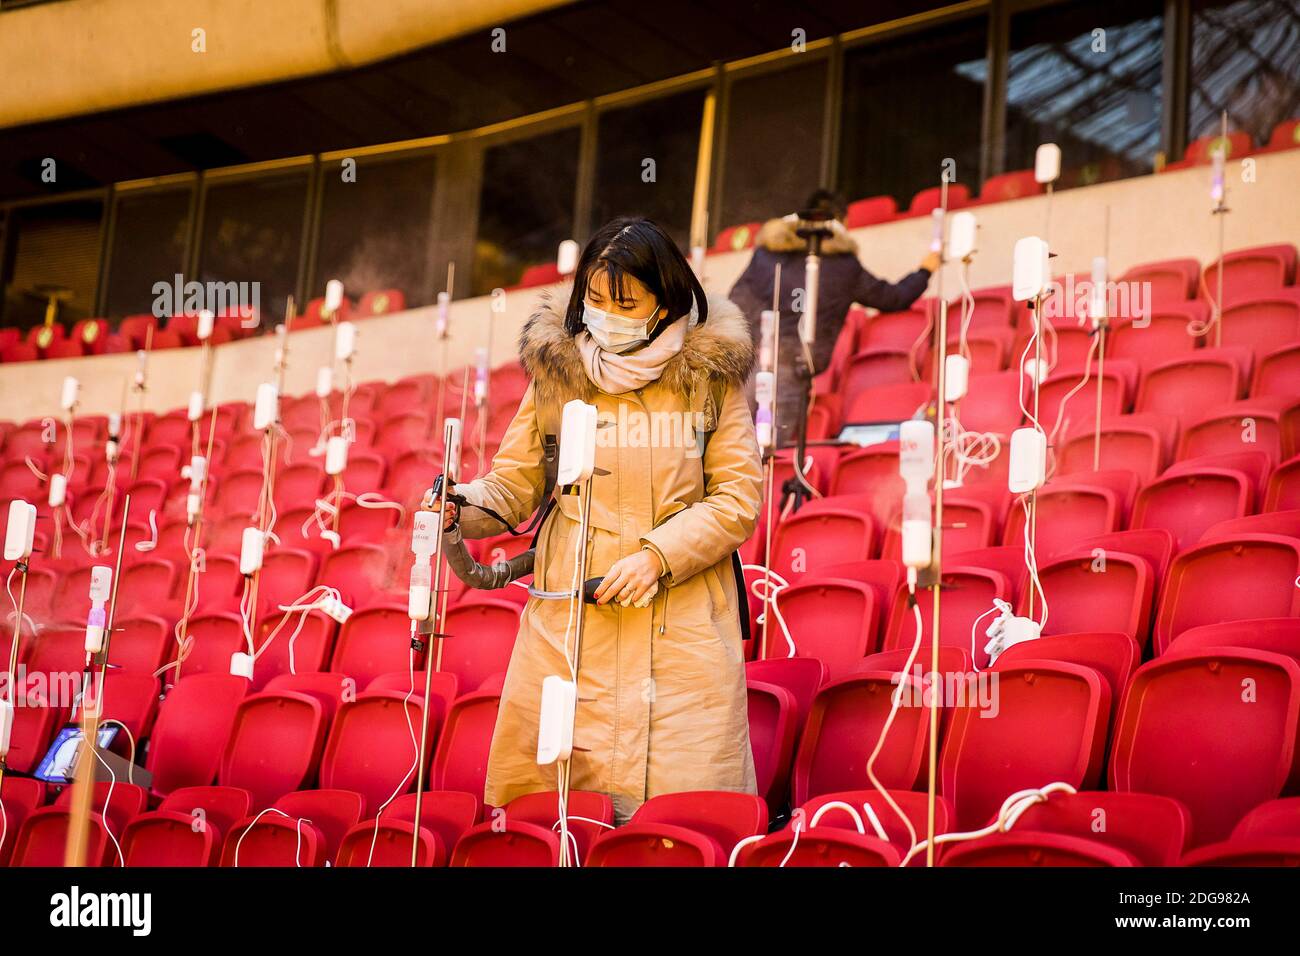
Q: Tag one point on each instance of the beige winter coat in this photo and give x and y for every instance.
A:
(662, 701)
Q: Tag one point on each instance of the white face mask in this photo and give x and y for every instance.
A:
(615, 333)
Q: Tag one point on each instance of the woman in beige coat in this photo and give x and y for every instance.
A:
(661, 679)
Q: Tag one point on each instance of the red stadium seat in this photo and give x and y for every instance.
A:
(271, 839)
(43, 839)
(1276, 373)
(460, 762)
(1257, 269)
(167, 838)
(1190, 502)
(1252, 425)
(868, 212)
(773, 715)
(590, 815)
(1188, 387)
(1188, 730)
(1234, 579)
(190, 734)
(1153, 829)
(968, 592)
(1277, 635)
(1112, 654)
(1068, 509)
(1050, 726)
(735, 238)
(274, 745)
(512, 843)
(656, 844)
(1023, 849)
(844, 726)
(927, 200)
(801, 676)
(482, 635)
(822, 533)
(373, 641)
(1262, 321)
(1013, 185)
(1257, 851)
(913, 805)
(828, 619)
(1284, 487)
(20, 796)
(824, 846)
(381, 302)
(372, 747)
(1172, 280)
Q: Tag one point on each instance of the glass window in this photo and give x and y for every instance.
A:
(773, 152)
(525, 206)
(909, 104)
(1086, 76)
(148, 246)
(665, 130)
(53, 251)
(1245, 59)
(252, 232)
(374, 231)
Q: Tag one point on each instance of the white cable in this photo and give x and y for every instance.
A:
(112, 783)
(1031, 564)
(761, 587)
(1008, 815)
(415, 745)
(297, 853)
(975, 624)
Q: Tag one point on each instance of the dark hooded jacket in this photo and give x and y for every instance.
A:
(843, 282)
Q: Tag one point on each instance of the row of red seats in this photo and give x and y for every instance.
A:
(1005, 186)
(96, 336)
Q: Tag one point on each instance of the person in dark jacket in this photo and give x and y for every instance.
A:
(843, 282)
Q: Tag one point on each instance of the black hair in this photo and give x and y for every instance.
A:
(826, 199)
(636, 247)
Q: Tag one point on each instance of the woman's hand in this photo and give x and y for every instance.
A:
(630, 579)
(430, 502)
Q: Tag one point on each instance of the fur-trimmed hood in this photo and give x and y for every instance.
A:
(778, 235)
(720, 347)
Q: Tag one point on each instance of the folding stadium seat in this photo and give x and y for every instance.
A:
(1251, 425)
(1200, 151)
(1191, 501)
(1230, 579)
(167, 838)
(915, 806)
(1254, 466)
(1119, 381)
(210, 807)
(1171, 280)
(844, 726)
(408, 473)
(1262, 321)
(1275, 635)
(1112, 654)
(372, 747)
(1188, 730)
(968, 592)
(825, 846)
(994, 308)
(1275, 818)
(19, 352)
(214, 637)
(732, 238)
(42, 841)
(872, 368)
(773, 727)
(360, 523)
(1013, 185)
(19, 481)
(656, 845)
(1135, 443)
(823, 532)
(952, 660)
(270, 839)
(927, 200)
(828, 619)
(871, 471)
(358, 572)
(888, 403)
(590, 814)
(1027, 849)
(1050, 725)
(460, 762)
(482, 636)
(190, 734)
(988, 350)
(1158, 337)
(801, 676)
(512, 843)
(387, 843)
(373, 641)
(380, 302)
(1087, 591)
(288, 656)
(332, 812)
(1187, 388)
(115, 801)
(1282, 523)
(1069, 508)
(131, 700)
(1253, 270)
(1284, 487)
(1151, 828)
(139, 643)
(1286, 135)
(1277, 373)
(869, 211)
(1252, 851)
(21, 796)
(274, 745)
(295, 484)
(992, 403)
(897, 330)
